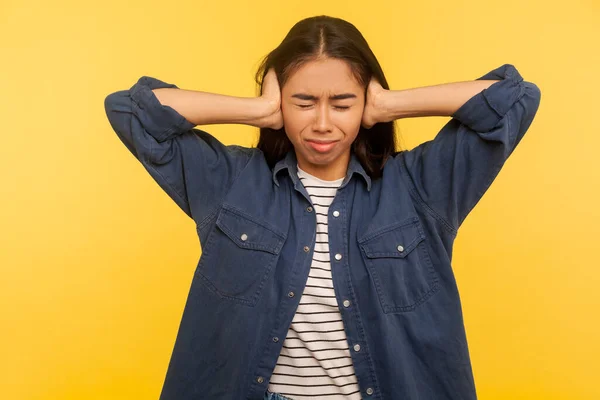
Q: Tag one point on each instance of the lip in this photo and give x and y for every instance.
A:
(322, 146)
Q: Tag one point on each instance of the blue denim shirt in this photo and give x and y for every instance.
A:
(394, 235)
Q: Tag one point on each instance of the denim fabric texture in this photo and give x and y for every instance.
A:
(390, 240)
(274, 396)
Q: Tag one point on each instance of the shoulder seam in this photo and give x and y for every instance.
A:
(422, 202)
(248, 152)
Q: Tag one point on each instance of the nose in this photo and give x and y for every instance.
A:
(322, 119)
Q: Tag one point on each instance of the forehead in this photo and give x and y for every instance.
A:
(322, 76)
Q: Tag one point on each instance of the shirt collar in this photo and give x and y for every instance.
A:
(290, 162)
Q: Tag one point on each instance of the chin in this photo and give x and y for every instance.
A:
(323, 160)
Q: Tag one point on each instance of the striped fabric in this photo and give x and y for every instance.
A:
(315, 361)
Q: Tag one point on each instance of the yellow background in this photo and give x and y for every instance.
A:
(96, 261)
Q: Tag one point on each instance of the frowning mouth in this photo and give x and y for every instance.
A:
(322, 146)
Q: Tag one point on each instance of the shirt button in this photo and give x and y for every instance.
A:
(244, 237)
(309, 209)
(306, 249)
(369, 391)
(291, 294)
(346, 303)
(260, 379)
(400, 248)
(336, 213)
(338, 256)
(276, 339)
(357, 347)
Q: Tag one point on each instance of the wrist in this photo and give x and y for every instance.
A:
(384, 102)
(263, 111)
(255, 109)
(405, 103)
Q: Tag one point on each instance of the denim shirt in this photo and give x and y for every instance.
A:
(390, 241)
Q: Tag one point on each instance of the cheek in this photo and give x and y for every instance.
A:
(294, 120)
(350, 122)
(292, 124)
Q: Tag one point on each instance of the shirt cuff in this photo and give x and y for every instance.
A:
(160, 121)
(483, 111)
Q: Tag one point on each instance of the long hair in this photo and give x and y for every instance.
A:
(321, 37)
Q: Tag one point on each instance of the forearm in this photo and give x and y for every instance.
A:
(203, 108)
(437, 100)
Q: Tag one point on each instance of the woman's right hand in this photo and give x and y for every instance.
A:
(271, 96)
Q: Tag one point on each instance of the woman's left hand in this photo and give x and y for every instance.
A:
(374, 110)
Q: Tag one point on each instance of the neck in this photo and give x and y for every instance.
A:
(329, 172)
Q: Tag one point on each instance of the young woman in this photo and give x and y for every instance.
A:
(326, 255)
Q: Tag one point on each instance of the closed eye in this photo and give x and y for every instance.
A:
(336, 107)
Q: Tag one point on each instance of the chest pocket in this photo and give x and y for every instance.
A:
(238, 256)
(399, 265)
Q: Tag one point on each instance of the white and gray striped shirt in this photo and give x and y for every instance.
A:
(315, 361)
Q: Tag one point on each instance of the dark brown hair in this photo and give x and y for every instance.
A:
(328, 37)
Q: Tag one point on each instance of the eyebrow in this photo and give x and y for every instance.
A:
(304, 96)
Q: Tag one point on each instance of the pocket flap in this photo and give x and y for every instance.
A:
(248, 233)
(396, 240)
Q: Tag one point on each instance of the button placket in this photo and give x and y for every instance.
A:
(346, 302)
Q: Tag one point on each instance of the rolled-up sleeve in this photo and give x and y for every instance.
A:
(450, 173)
(162, 122)
(193, 167)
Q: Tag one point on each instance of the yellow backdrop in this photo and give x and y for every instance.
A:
(97, 261)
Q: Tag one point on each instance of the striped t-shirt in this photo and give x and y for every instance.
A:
(315, 361)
